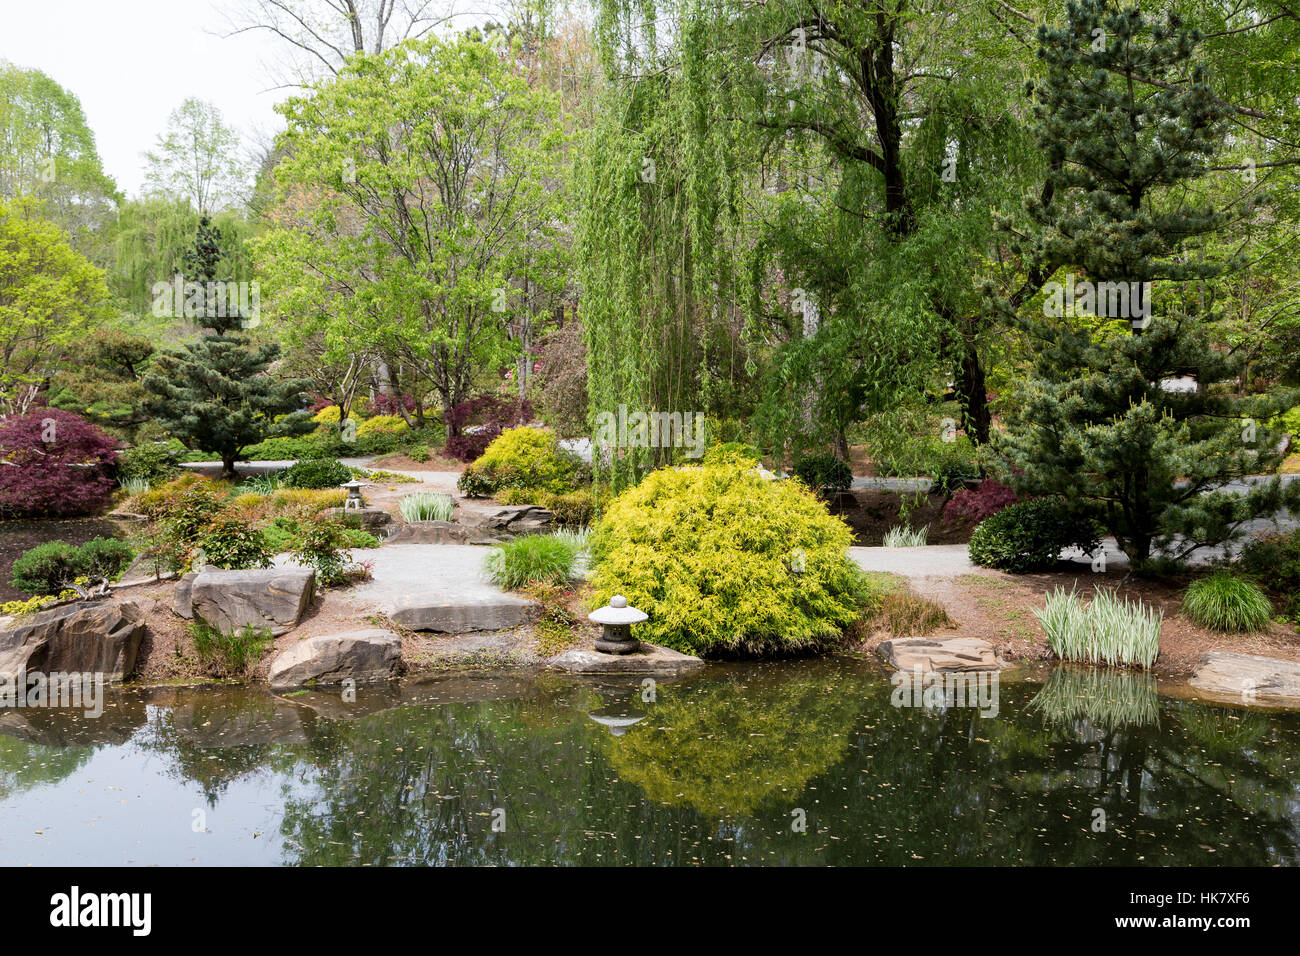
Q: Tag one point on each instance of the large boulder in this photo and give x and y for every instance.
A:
(183, 596)
(101, 638)
(331, 659)
(274, 598)
(1247, 676)
(949, 655)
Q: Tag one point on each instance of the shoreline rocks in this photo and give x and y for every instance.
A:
(362, 656)
(86, 638)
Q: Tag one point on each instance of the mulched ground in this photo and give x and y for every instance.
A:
(871, 513)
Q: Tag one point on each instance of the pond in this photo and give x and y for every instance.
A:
(788, 763)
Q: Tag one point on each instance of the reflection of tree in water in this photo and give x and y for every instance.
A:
(726, 747)
(25, 765)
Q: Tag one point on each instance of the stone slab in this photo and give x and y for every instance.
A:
(362, 656)
(274, 598)
(1246, 675)
(650, 659)
(946, 655)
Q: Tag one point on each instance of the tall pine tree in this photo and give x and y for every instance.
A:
(217, 394)
(1128, 124)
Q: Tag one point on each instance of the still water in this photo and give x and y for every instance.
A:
(789, 763)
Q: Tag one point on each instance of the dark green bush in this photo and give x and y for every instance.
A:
(316, 473)
(1030, 535)
(52, 566)
(823, 472)
(954, 476)
(233, 545)
(1273, 561)
(322, 545)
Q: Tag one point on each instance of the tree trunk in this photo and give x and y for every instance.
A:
(973, 395)
(228, 466)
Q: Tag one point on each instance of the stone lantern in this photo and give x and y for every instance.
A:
(617, 619)
(354, 501)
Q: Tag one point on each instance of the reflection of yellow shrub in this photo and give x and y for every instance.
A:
(727, 748)
(724, 560)
(382, 423)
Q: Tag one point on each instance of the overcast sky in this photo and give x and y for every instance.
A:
(131, 62)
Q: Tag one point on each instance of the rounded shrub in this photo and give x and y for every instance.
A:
(1030, 536)
(1225, 602)
(732, 453)
(55, 463)
(50, 567)
(382, 423)
(823, 472)
(316, 473)
(148, 461)
(725, 561)
(523, 457)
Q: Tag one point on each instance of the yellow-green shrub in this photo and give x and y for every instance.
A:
(523, 457)
(329, 415)
(725, 561)
(382, 423)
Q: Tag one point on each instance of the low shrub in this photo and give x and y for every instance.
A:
(823, 472)
(55, 464)
(724, 561)
(1030, 536)
(971, 506)
(316, 473)
(419, 453)
(150, 462)
(575, 509)
(231, 544)
(426, 506)
(323, 545)
(1273, 562)
(533, 559)
(1109, 631)
(521, 496)
(393, 424)
(524, 457)
(1225, 602)
(52, 566)
(953, 476)
(473, 484)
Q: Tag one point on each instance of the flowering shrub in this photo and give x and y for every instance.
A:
(54, 463)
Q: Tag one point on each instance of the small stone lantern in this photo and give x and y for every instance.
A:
(617, 620)
(354, 501)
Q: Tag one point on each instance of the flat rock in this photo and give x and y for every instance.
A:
(650, 659)
(101, 638)
(1245, 676)
(951, 654)
(461, 614)
(274, 598)
(362, 656)
(375, 520)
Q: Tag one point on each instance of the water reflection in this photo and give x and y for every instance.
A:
(709, 769)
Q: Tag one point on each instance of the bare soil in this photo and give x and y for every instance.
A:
(870, 513)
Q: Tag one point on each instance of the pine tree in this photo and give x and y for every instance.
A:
(1098, 422)
(217, 394)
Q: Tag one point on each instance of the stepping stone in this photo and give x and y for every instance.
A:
(362, 656)
(648, 660)
(1247, 676)
(950, 655)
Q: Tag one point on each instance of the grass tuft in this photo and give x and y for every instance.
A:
(1110, 630)
(904, 537)
(1225, 602)
(426, 506)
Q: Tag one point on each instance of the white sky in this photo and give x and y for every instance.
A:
(131, 62)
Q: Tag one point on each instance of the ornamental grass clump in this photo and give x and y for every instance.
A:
(1225, 602)
(905, 537)
(533, 559)
(725, 561)
(426, 506)
(1110, 630)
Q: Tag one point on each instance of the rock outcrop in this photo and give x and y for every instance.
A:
(361, 656)
(506, 523)
(99, 638)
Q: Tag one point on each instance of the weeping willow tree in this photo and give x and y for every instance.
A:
(787, 209)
